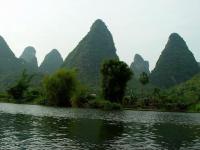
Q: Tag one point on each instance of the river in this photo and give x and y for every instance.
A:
(38, 127)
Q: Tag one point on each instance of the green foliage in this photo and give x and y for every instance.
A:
(81, 97)
(40, 100)
(111, 106)
(31, 95)
(183, 96)
(115, 75)
(60, 87)
(144, 79)
(10, 66)
(175, 65)
(104, 104)
(19, 90)
(195, 107)
(135, 86)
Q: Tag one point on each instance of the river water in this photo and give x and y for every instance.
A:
(38, 127)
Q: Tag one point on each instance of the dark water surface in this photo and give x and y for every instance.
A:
(37, 127)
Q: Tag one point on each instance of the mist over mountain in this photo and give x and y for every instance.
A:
(9, 63)
(29, 56)
(139, 65)
(176, 63)
(52, 61)
(96, 47)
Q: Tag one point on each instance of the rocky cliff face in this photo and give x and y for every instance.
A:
(175, 65)
(8, 62)
(51, 62)
(10, 66)
(90, 53)
(29, 56)
(139, 66)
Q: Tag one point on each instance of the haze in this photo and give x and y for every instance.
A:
(137, 26)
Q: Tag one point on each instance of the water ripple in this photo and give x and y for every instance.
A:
(38, 127)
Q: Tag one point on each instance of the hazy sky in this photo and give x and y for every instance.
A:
(137, 26)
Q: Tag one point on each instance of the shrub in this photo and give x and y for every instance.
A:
(18, 91)
(80, 98)
(60, 87)
(31, 94)
(40, 100)
(104, 104)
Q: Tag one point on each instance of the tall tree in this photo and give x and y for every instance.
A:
(144, 79)
(115, 75)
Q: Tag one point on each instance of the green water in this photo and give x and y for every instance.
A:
(37, 127)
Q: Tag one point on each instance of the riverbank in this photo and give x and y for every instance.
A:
(102, 105)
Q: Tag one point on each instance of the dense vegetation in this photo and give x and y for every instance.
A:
(21, 91)
(175, 65)
(115, 75)
(60, 87)
(10, 66)
(185, 96)
(64, 90)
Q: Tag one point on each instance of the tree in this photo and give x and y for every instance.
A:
(156, 92)
(115, 75)
(60, 87)
(144, 79)
(18, 91)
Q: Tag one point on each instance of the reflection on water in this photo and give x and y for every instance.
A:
(183, 135)
(36, 127)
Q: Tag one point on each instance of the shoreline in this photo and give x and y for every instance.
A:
(123, 108)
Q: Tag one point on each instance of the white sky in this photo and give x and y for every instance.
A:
(138, 26)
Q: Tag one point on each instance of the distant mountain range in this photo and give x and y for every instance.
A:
(175, 65)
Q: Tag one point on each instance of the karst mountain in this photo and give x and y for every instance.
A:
(52, 62)
(96, 47)
(139, 66)
(176, 64)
